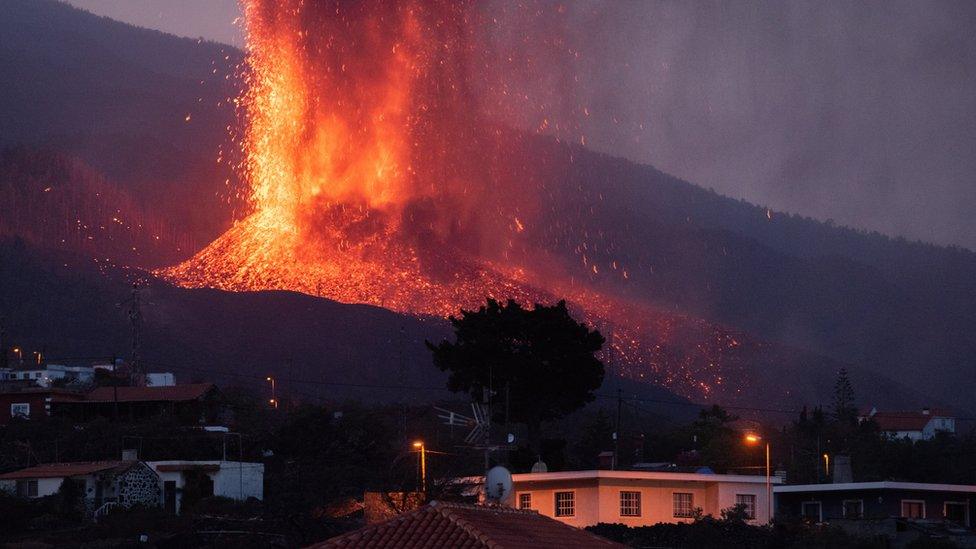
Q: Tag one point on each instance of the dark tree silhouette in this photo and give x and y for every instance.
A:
(845, 410)
(542, 358)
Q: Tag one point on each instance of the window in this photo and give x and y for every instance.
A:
(565, 504)
(525, 501)
(630, 504)
(913, 508)
(683, 505)
(957, 512)
(853, 508)
(20, 409)
(748, 503)
(811, 510)
(27, 488)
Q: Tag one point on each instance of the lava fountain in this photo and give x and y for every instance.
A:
(370, 172)
(378, 174)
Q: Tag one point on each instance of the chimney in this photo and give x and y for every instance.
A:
(925, 411)
(842, 470)
(130, 454)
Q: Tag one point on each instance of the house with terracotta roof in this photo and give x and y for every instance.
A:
(466, 526)
(193, 401)
(640, 498)
(124, 482)
(914, 425)
(32, 402)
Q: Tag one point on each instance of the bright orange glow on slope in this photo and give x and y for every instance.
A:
(373, 178)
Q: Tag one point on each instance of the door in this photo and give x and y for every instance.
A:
(169, 496)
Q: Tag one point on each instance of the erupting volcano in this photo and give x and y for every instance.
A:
(380, 171)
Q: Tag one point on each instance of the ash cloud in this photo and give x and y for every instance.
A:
(864, 113)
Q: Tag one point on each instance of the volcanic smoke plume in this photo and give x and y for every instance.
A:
(379, 173)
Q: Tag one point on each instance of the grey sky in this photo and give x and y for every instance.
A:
(860, 112)
(212, 19)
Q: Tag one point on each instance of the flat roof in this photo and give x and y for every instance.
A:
(641, 475)
(882, 485)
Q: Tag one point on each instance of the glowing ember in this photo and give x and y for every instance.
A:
(375, 179)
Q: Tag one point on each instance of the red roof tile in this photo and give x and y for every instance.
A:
(905, 421)
(464, 526)
(194, 391)
(58, 470)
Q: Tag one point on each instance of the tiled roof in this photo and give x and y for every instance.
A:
(58, 470)
(906, 421)
(464, 526)
(193, 391)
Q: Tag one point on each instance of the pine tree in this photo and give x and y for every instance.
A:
(845, 410)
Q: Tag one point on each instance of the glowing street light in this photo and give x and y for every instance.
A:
(753, 438)
(20, 355)
(419, 445)
(273, 401)
(827, 465)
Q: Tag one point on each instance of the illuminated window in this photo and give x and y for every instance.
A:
(748, 503)
(684, 505)
(913, 508)
(630, 504)
(525, 501)
(565, 504)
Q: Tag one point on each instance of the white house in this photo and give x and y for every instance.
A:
(914, 425)
(124, 482)
(231, 479)
(639, 498)
(45, 374)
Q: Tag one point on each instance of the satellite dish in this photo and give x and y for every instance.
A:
(498, 485)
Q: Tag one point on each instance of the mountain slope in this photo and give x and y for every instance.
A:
(810, 295)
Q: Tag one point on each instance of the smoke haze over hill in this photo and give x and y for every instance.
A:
(860, 113)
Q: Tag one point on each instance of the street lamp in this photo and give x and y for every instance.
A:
(419, 445)
(827, 465)
(274, 397)
(752, 438)
(20, 356)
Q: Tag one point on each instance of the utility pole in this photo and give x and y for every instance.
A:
(115, 390)
(3, 345)
(616, 434)
(135, 319)
(401, 374)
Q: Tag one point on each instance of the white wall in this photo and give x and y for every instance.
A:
(227, 480)
(45, 486)
(599, 500)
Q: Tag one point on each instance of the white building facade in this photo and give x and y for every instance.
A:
(231, 479)
(639, 498)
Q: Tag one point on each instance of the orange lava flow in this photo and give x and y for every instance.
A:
(339, 104)
(373, 179)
